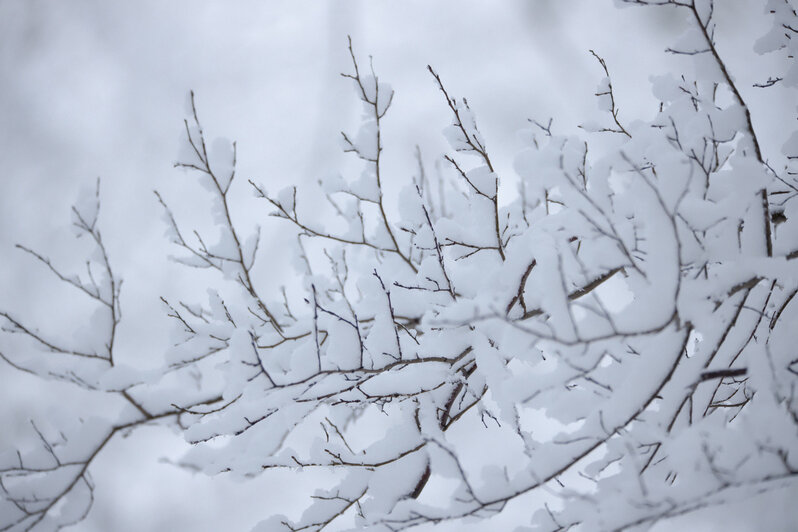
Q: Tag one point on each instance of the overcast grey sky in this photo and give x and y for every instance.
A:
(94, 88)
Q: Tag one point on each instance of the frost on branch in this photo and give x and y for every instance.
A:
(609, 345)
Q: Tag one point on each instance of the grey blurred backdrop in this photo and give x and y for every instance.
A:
(94, 88)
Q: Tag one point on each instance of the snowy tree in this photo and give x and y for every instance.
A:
(603, 346)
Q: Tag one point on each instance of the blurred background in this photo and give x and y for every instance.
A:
(90, 88)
